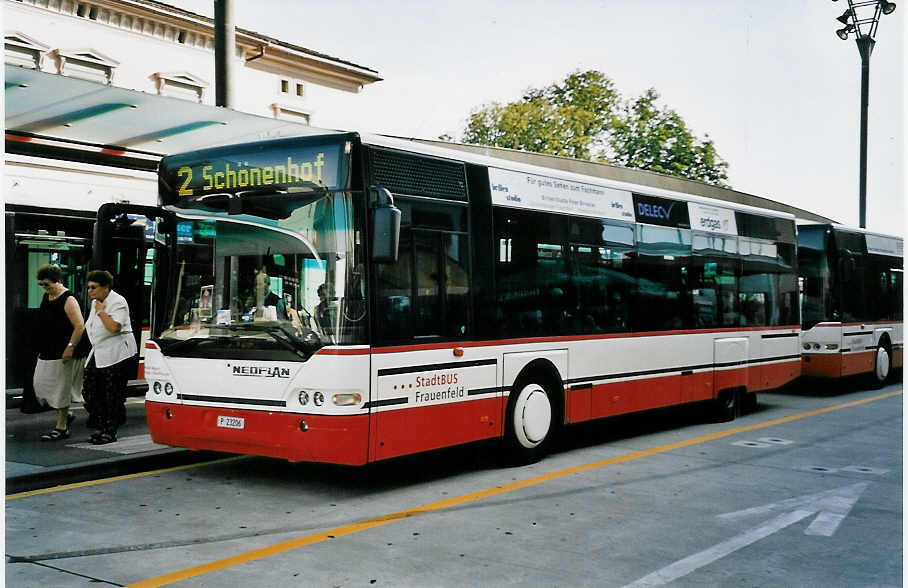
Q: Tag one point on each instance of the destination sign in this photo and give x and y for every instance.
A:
(255, 167)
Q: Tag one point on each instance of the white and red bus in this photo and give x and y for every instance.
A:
(851, 301)
(348, 299)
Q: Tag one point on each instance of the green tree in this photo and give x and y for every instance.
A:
(562, 119)
(584, 117)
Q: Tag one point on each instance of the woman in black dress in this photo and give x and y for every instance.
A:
(57, 374)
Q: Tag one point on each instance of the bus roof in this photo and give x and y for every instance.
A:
(480, 159)
(846, 228)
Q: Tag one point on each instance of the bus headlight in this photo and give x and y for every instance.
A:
(318, 398)
(807, 346)
(816, 346)
(156, 387)
(303, 397)
(168, 388)
(347, 399)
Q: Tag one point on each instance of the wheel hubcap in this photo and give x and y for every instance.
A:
(882, 364)
(532, 416)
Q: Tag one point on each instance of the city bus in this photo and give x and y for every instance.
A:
(851, 302)
(347, 298)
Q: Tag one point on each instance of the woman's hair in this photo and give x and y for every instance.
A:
(50, 272)
(100, 277)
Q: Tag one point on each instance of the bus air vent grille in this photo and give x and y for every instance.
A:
(402, 173)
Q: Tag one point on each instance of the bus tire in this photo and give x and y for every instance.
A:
(727, 405)
(529, 422)
(882, 365)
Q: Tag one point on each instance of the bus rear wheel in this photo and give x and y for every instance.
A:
(529, 423)
(881, 365)
(727, 405)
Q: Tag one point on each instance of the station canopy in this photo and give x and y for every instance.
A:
(52, 106)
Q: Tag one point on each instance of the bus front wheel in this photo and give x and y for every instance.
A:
(529, 422)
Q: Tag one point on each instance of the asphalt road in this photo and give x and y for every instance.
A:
(804, 491)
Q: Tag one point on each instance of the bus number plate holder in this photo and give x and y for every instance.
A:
(231, 422)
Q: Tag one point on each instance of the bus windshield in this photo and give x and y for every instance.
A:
(250, 287)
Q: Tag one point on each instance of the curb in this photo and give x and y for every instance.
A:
(108, 467)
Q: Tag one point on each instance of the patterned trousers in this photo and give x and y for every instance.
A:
(104, 390)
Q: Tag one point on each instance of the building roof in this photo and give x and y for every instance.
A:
(168, 8)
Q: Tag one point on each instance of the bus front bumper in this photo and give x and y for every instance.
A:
(290, 436)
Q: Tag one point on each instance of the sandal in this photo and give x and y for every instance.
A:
(103, 439)
(56, 435)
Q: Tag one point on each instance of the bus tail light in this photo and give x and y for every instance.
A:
(346, 399)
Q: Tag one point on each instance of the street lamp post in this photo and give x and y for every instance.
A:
(862, 19)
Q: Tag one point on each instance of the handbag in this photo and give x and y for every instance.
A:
(82, 347)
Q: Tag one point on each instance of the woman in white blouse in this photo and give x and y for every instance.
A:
(106, 367)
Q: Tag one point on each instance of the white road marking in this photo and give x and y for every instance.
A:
(708, 556)
(832, 505)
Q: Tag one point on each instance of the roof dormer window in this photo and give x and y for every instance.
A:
(24, 51)
(87, 64)
(180, 84)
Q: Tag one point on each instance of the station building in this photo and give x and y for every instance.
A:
(96, 92)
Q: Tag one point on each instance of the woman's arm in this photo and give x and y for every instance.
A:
(74, 314)
(109, 323)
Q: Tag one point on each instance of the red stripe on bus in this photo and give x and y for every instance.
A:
(413, 430)
(833, 324)
(569, 338)
(342, 351)
(837, 365)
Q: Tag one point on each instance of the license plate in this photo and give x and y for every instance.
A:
(231, 422)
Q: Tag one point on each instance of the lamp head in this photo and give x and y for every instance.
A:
(846, 16)
(887, 7)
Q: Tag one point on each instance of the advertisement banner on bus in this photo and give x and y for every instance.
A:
(534, 192)
(712, 219)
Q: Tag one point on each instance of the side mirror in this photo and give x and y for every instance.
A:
(385, 225)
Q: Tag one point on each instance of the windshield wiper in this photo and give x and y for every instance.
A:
(304, 346)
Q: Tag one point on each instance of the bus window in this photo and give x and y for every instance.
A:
(713, 280)
(767, 288)
(602, 275)
(427, 292)
(663, 258)
(534, 292)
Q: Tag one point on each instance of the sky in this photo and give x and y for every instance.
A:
(769, 82)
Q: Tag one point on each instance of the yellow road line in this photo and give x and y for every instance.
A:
(471, 497)
(90, 483)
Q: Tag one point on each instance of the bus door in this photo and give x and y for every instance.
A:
(123, 239)
(730, 360)
(27, 249)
